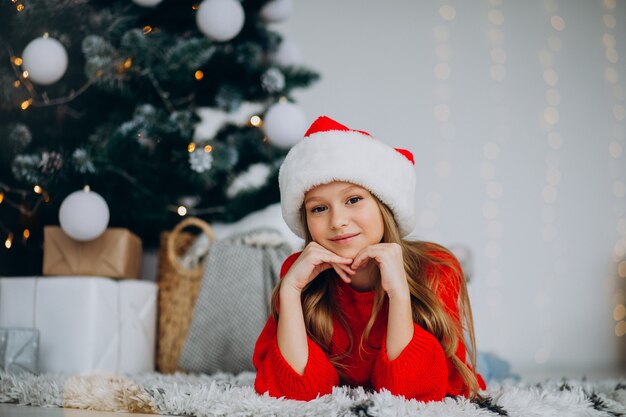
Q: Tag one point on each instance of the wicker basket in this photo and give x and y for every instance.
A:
(178, 290)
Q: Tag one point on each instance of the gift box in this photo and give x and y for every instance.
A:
(85, 323)
(18, 350)
(114, 254)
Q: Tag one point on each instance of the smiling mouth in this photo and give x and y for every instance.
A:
(344, 238)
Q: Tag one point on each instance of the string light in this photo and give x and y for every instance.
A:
(128, 63)
(256, 121)
(208, 148)
(46, 198)
(26, 103)
(25, 74)
(20, 7)
(194, 7)
(17, 61)
(182, 210)
(38, 189)
(16, 83)
(147, 29)
(1, 197)
(9, 241)
(199, 75)
(191, 147)
(26, 234)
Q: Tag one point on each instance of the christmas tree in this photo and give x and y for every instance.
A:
(160, 106)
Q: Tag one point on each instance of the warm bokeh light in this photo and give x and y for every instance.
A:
(256, 121)
(191, 147)
(199, 75)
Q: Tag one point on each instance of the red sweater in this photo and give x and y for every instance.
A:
(422, 370)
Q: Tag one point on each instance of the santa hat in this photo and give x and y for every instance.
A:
(331, 152)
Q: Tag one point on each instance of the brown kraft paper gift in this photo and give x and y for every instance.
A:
(115, 254)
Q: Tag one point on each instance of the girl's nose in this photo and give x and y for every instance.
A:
(339, 219)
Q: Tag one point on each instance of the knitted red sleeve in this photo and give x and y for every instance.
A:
(277, 377)
(420, 372)
(448, 291)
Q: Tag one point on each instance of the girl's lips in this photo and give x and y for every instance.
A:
(344, 239)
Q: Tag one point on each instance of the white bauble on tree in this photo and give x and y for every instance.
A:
(45, 59)
(84, 215)
(220, 20)
(284, 124)
(287, 54)
(147, 3)
(276, 10)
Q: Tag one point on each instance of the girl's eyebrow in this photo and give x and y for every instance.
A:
(346, 190)
(350, 188)
(312, 199)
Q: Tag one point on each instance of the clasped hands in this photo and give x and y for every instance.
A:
(315, 259)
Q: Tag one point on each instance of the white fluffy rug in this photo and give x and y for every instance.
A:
(229, 395)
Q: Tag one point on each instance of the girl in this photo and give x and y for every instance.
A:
(359, 305)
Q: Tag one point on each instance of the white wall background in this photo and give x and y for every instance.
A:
(515, 113)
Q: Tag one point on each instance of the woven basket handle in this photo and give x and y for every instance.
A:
(171, 239)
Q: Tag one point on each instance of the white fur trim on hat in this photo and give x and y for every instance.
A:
(350, 156)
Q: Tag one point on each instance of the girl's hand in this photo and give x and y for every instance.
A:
(313, 260)
(388, 257)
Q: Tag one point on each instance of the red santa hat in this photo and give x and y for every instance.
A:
(331, 152)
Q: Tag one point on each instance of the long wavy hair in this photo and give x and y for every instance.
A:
(319, 306)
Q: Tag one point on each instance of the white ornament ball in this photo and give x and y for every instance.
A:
(287, 54)
(284, 124)
(45, 59)
(84, 215)
(147, 3)
(220, 20)
(276, 10)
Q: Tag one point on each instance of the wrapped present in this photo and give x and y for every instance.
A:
(114, 254)
(85, 324)
(18, 350)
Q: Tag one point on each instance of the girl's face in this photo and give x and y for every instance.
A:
(343, 217)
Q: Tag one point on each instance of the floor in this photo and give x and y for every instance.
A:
(8, 410)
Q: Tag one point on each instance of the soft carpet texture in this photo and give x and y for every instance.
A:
(233, 395)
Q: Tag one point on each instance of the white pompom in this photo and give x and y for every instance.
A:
(84, 215)
(276, 10)
(287, 54)
(220, 20)
(284, 124)
(45, 59)
(147, 3)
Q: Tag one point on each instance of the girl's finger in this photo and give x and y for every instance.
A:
(342, 274)
(347, 269)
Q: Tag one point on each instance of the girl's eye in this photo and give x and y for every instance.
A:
(354, 200)
(318, 209)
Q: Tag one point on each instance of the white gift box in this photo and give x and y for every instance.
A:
(86, 324)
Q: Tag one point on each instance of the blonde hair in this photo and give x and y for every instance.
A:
(319, 306)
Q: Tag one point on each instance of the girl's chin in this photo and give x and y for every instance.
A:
(345, 252)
